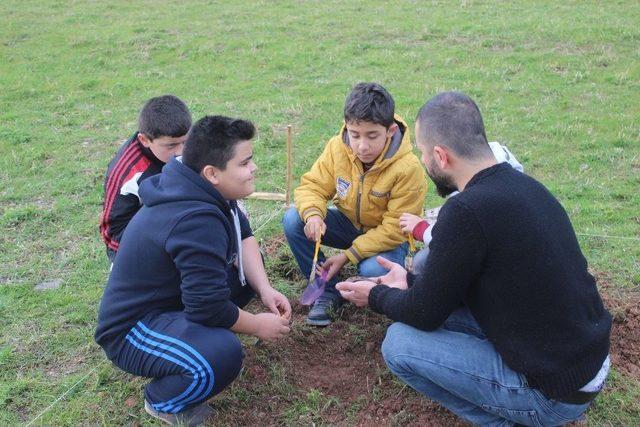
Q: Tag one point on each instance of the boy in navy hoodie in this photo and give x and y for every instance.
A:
(187, 263)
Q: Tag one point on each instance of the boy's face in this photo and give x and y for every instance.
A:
(367, 139)
(164, 147)
(236, 181)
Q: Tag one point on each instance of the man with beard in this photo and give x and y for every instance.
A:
(504, 324)
(420, 228)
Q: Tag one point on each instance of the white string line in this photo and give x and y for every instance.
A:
(257, 220)
(273, 215)
(66, 392)
(605, 236)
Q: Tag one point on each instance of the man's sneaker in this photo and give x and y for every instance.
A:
(195, 416)
(320, 313)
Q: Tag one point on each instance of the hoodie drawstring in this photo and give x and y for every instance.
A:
(236, 224)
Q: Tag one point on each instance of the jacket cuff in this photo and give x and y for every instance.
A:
(308, 213)
(353, 255)
(227, 316)
(374, 296)
(419, 229)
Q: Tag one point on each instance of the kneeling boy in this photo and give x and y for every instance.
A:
(186, 264)
(372, 176)
(163, 124)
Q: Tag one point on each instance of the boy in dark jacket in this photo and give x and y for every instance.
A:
(163, 124)
(186, 265)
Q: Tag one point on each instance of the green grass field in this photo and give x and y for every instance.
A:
(559, 83)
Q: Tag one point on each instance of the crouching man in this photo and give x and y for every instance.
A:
(504, 324)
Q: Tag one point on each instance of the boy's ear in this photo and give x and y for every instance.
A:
(211, 174)
(392, 129)
(144, 139)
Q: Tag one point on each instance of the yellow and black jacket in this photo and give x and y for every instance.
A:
(372, 200)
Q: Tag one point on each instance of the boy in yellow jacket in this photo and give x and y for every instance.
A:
(372, 176)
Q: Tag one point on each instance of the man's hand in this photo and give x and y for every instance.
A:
(397, 275)
(333, 264)
(314, 228)
(271, 326)
(356, 292)
(408, 222)
(276, 303)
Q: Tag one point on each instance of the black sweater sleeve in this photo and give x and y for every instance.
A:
(199, 252)
(456, 256)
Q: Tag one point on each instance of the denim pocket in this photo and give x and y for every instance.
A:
(519, 417)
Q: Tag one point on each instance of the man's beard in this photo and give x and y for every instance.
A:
(444, 184)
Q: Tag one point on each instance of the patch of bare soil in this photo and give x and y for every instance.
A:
(342, 362)
(345, 362)
(625, 333)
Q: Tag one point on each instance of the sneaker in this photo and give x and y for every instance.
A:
(320, 313)
(194, 416)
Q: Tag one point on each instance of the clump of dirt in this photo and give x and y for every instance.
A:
(341, 361)
(344, 361)
(625, 333)
(280, 261)
(272, 246)
(340, 365)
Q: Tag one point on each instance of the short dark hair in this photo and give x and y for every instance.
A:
(452, 119)
(164, 115)
(369, 102)
(212, 141)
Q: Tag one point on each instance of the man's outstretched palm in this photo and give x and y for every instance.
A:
(397, 275)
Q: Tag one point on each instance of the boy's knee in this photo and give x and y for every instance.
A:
(420, 260)
(236, 355)
(291, 220)
(370, 268)
(225, 357)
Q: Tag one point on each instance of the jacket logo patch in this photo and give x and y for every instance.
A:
(385, 195)
(342, 187)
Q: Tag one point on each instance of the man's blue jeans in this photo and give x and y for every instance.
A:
(340, 234)
(458, 367)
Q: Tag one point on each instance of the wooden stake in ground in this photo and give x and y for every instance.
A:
(260, 195)
(287, 198)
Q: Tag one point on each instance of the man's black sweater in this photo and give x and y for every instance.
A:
(505, 248)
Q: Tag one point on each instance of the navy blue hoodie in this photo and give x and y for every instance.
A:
(177, 253)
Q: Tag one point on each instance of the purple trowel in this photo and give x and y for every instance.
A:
(314, 289)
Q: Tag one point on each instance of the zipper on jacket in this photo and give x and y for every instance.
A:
(359, 199)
